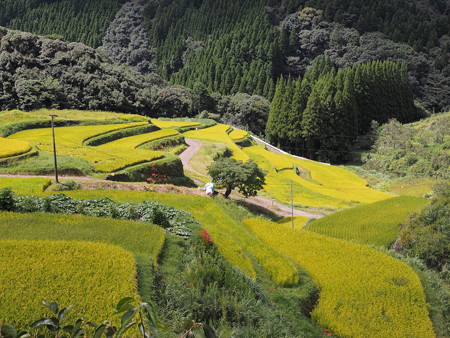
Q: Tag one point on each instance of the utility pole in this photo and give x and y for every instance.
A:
(54, 147)
(292, 207)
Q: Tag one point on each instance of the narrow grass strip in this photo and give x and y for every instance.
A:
(171, 124)
(138, 140)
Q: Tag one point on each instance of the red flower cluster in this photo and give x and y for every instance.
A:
(206, 237)
(157, 177)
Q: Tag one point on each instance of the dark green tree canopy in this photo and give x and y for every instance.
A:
(247, 177)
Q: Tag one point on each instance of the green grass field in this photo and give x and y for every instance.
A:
(412, 186)
(204, 156)
(363, 292)
(374, 224)
(90, 276)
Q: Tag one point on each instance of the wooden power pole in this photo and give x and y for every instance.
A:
(54, 147)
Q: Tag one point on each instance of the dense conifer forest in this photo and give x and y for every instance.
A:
(72, 20)
(321, 115)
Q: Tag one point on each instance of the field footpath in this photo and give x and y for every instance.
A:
(267, 203)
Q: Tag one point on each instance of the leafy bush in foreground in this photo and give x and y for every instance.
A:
(147, 211)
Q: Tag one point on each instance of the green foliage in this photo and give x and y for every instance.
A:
(320, 115)
(228, 172)
(78, 77)
(372, 224)
(169, 165)
(7, 199)
(165, 144)
(66, 186)
(412, 150)
(427, 235)
(71, 20)
(148, 211)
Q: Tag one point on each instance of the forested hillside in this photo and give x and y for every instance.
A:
(39, 72)
(233, 46)
(321, 114)
(243, 46)
(73, 20)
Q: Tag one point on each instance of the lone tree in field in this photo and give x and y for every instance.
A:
(245, 176)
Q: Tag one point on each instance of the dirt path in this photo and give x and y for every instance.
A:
(281, 209)
(194, 145)
(186, 155)
(263, 202)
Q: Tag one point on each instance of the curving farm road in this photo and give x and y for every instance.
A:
(267, 203)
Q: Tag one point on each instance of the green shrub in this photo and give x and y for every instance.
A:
(225, 153)
(7, 199)
(147, 211)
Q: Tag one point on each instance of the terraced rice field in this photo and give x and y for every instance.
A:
(173, 124)
(136, 141)
(299, 222)
(69, 142)
(90, 276)
(373, 224)
(218, 133)
(363, 292)
(278, 162)
(233, 240)
(321, 186)
(25, 185)
(9, 148)
(238, 135)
